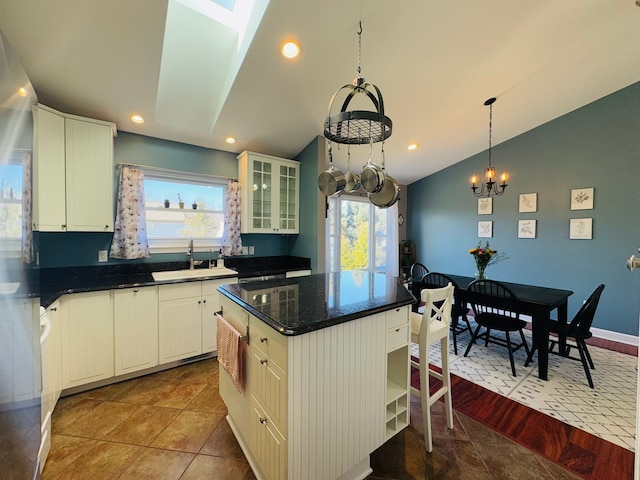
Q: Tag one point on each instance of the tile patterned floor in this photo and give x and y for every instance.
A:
(608, 410)
(170, 426)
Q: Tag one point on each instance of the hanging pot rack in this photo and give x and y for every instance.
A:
(360, 127)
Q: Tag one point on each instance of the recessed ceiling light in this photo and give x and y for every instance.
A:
(22, 92)
(290, 49)
(230, 140)
(136, 118)
(413, 146)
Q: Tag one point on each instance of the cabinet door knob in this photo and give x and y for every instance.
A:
(204, 301)
(106, 227)
(263, 420)
(199, 302)
(263, 361)
(263, 339)
(63, 226)
(135, 290)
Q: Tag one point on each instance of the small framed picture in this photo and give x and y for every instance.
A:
(527, 228)
(485, 229)
(582, 199)
(528, 202)
(485, 206)
(581, 228)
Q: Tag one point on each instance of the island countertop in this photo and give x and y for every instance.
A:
(299, 305)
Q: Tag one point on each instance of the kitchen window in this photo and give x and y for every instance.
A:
(183, 206)
(11, 174)
(361, 236)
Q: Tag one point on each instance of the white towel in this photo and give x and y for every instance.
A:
(230, 348)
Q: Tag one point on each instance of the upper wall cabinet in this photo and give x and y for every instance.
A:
(270, 194)
(72, 173)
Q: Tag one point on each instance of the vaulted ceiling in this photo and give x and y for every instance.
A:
(435, 62)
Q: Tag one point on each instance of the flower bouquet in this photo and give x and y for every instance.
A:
(485, 256)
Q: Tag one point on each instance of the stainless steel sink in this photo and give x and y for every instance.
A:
(9, 288)
(197, 273)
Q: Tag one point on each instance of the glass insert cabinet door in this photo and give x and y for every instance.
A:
(262, 192)
(270, 194)
(288, 198)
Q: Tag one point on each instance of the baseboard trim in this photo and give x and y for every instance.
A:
(615, 336)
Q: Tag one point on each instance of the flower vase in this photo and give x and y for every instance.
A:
(480, 275)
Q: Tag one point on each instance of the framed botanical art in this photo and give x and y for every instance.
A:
(528, 202)
(582, 199)
(485, 206)
(581, 228)
(485, 229)
(527, 228)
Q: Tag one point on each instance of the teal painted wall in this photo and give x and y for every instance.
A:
(594, 146)
(81, 249)
(306, 243)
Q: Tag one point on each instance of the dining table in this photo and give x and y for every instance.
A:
(535, 301)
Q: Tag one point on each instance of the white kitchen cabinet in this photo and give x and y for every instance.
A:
(51, 358)
(270, 194)
(398, 370)
(49, 190)
(187, 324)
(179, 321)
(348, 383)
(19, 340)
(87, 338)
(73, 172)
(210, 305)
(135, 313)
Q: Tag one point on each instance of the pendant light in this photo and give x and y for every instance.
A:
(488, 185)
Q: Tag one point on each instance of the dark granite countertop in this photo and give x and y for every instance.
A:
(55, 282)
(300, 305)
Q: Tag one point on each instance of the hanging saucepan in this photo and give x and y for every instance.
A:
(371, 176)
(352, 179)
(388, 194)
(331, 181)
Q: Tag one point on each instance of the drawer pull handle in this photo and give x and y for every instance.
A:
(54, 309)
(397, 330)
(263, 339)
(263, 420)
(263, 361)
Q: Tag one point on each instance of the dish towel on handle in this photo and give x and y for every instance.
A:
(230, 351)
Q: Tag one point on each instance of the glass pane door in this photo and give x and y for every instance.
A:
(262, 194)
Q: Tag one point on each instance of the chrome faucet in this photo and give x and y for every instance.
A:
(190, 254)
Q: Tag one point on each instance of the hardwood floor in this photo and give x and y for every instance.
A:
(581, 453)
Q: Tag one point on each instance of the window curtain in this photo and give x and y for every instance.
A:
(231, 241)
(130, 232)
(26, 253)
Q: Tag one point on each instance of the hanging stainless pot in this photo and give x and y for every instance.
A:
(371, 176)
(331, 181)
(388, 194)
(353, 182)
(352, 179)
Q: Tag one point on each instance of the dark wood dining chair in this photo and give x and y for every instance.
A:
(578, 330)
(459, 310)
(417, 271)
(501, 315)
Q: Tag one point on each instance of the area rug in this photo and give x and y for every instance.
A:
(608, 411)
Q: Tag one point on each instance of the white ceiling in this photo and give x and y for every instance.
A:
(435, 62)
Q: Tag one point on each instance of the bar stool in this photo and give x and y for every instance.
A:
(426, 329)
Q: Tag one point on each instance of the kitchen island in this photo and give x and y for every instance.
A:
(326, 372)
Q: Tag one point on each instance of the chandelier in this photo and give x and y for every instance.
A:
(489, 186)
